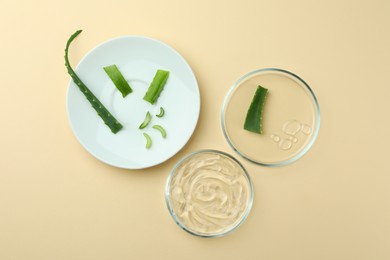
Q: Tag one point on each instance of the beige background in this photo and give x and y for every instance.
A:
(58, 202)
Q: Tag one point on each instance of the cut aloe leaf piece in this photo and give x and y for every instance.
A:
(162, 112)
(156, 86)
(161, 130)
(119, 81)
(148, 141)
(101, 110)
(254, 116)
(146, 121)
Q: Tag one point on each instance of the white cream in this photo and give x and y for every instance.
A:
(209, 193)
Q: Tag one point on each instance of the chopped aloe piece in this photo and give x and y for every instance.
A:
(162, 112)
(253, 120)
(119, 81)
(148, 141)
(156, 86)
(146, 121)
(161, 130)
(102, 111)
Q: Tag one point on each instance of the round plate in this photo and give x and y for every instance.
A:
(138, 58)
(290, 118)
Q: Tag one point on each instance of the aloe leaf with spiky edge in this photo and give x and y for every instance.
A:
(102, 111)
(157, 86)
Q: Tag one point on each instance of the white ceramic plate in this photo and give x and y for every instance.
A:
(138, 58)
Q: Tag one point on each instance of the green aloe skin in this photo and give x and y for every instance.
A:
(162, 112)
(146, 121)
(102, 111)
(161, 130)
(253, 120)
(119, 81)
(157, 86)
(148, 141)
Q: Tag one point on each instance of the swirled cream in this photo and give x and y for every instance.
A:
(209, 193)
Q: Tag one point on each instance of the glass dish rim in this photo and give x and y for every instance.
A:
(298, 155)
(167, 193)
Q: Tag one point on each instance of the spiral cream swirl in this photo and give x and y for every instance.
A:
(209, 193)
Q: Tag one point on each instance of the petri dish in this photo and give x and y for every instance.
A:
(209, 193)
(290, 118)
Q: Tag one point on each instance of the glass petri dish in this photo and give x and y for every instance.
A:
(209, 193)
(290, 118)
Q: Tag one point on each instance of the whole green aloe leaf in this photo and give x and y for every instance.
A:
(102, 111)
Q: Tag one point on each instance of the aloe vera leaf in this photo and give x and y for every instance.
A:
(162, 112)
(148, 141)
(157, 86)
(146, 121)
(102, 111)
(161, 130)
(254, 116)
(119, 81)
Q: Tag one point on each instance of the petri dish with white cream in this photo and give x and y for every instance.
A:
(209, 193)
(290, 117)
